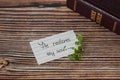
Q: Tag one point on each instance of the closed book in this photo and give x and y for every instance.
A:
(96, 13)
(110, 6)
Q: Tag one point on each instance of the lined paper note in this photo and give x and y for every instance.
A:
(53, 47)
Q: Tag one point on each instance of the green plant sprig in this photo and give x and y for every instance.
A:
(76, 55)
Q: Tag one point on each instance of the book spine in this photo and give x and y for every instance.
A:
(95, 14)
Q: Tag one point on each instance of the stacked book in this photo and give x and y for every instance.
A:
(103, 12)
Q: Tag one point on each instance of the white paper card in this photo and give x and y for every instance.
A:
(53, 47)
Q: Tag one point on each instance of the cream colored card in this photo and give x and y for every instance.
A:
(53, 47)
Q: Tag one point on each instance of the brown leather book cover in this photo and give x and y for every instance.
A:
(95, 14)
(110, 6)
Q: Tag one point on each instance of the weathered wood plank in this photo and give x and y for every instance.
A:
(27, 2)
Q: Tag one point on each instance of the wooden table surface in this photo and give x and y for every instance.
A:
(19, 26)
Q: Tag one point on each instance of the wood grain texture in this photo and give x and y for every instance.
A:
(19, 26)
(28, 2)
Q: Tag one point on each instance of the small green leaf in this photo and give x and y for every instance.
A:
(77, 43)
(80, 48)
(77, 57)
(76, 51)
(80, 37)
(71, 57)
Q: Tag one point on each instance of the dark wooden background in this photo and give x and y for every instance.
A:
(19, 26)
